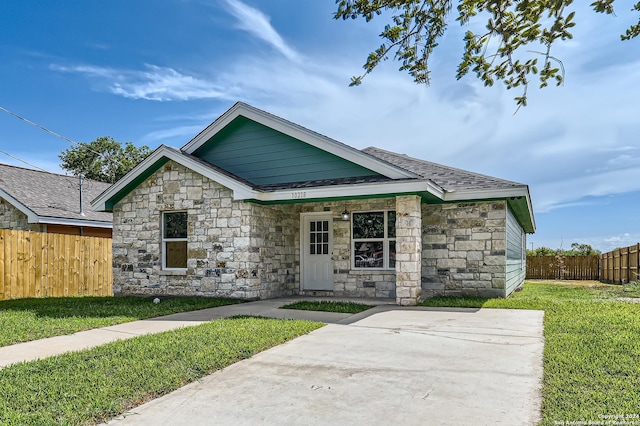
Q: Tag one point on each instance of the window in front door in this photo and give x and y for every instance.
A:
(319, 237)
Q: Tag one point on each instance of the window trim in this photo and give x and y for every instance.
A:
(165, 240)
(385, 242)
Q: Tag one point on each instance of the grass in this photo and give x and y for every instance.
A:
(591, 352)
(98, 384)
(23, 320)
(328, 306)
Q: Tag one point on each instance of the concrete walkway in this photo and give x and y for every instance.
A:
(51, 346)
(390, 364)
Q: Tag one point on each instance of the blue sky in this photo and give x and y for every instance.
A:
(157, 72)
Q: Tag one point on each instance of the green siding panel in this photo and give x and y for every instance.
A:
(262, 155)
(516, 254)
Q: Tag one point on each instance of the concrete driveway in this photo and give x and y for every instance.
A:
(391, 365)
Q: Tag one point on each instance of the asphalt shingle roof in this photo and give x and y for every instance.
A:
(52, 195)
(447, 178)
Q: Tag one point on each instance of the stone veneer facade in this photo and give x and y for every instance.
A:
(252, 251)
(464, 249)
(234, 249)
(12, 218)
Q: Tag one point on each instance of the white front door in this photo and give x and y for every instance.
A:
(316, 251)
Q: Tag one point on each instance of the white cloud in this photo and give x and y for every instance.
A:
(258, 24)
(155, 83)
(612, 242)
(179, 133)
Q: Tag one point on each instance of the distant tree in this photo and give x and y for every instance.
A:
(104, 159)
(514, 46)
(578, 249)
(542, 251)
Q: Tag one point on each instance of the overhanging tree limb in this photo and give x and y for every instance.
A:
(517, 26)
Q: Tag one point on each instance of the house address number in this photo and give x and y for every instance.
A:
(298, 195)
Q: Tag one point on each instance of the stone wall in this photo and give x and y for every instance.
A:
(234, 249)
(12, 218)
(463, 249)
(408, 249)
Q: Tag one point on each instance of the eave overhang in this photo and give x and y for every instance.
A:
(32, 217)
(517, 197)
(75, 222)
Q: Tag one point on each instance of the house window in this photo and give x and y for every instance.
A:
(174, 240)
(374, 240)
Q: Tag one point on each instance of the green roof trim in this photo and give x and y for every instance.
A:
(520, 208)
(109, 204)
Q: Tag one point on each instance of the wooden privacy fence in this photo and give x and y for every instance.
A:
(36, 264)
(563, 267)
(621, 265)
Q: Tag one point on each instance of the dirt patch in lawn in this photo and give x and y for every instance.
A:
(629, 299)
(581, 283)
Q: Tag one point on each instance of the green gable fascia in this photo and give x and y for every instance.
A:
(265, 156)
(134, 183)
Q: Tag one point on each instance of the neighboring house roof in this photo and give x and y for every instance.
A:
(235, 148)
(51, 198)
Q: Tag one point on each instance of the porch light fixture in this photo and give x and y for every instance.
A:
(345, 214)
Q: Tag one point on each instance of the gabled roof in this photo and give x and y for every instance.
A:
(389, 173)
(332, 146)
(51, 198)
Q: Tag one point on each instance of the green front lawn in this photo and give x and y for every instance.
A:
(98, 384)
(591, 351)
(23, 320)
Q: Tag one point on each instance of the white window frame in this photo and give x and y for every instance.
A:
(165, 240)
(385, 242)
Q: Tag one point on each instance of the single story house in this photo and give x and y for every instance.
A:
(33, 200)
(256, 206)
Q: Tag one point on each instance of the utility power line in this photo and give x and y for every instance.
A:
(22, 161)
(38, 126)
(45, 129)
